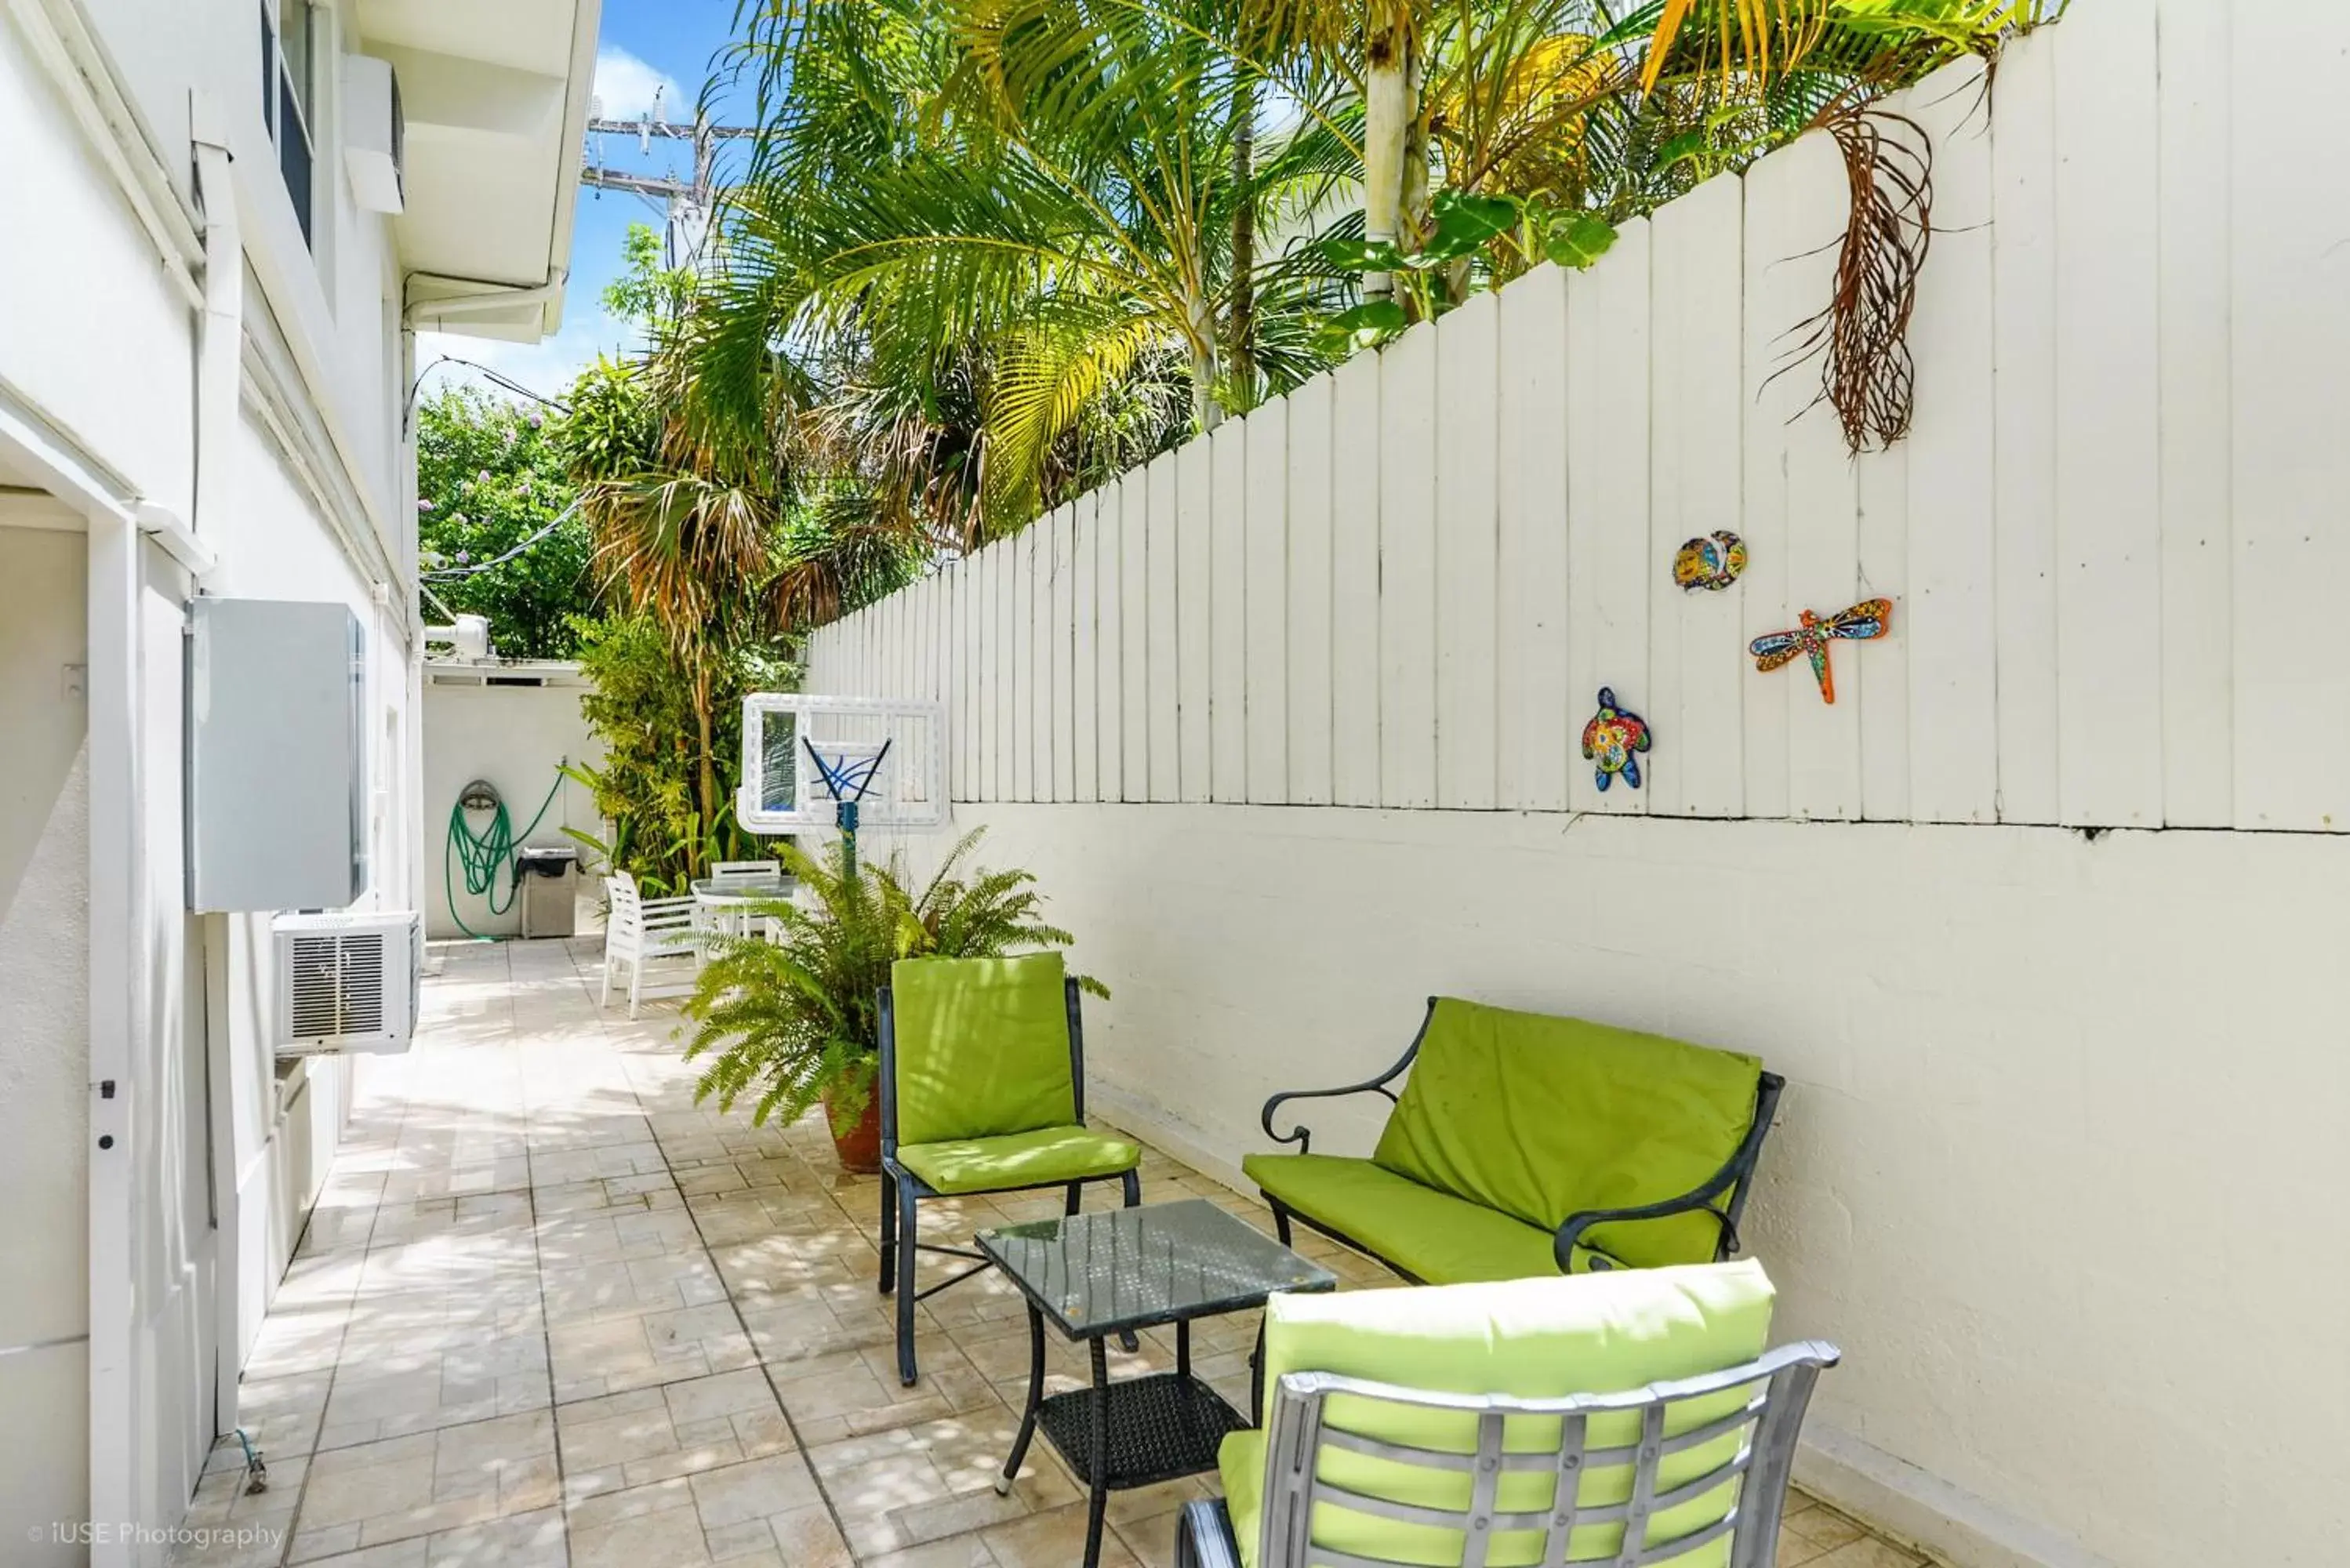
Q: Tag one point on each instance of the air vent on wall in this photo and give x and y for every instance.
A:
(347, 983)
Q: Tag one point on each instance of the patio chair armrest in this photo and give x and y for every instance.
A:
(1739, 1167)
(1302, 1136)
(1570, 1234)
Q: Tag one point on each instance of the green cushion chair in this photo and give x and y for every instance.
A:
(1527, 1145)
(983, 1080)
(1627, 1419)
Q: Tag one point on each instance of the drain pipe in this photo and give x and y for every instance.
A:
(220, 326)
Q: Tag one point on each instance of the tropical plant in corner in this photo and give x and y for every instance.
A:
(793, 1020)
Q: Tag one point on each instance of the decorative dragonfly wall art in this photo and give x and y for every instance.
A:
(1870, 619)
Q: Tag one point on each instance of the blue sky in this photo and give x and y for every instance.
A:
(672, 46)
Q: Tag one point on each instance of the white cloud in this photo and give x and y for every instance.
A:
(624, 87)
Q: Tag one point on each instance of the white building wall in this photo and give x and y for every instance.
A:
(44, 1016)
(2037, 916)
(98, 358)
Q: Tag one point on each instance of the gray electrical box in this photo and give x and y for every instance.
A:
(278, 766)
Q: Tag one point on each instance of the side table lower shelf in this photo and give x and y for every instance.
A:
(1161, 1429)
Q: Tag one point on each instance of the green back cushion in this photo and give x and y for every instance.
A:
(1543, 1118)
(1540, 1338)
(982, 1046)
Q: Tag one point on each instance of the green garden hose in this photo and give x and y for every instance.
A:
(483, 854)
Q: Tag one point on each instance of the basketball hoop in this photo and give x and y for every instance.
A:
(846, 762)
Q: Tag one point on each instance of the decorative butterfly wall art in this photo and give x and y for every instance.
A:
(1866, 621)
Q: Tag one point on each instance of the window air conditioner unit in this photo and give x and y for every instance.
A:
(374, 133)
(347, 983)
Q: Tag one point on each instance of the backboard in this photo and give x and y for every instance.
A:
(802, 754)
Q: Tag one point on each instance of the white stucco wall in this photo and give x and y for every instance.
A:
(2058, 1119)
(45, 1022)
(514, 736)
(98, 347)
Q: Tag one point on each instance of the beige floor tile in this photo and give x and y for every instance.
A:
(547, 1302)
(672, 1537)
(1054, 1540)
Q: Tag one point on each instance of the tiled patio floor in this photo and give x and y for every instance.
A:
(549, 1312)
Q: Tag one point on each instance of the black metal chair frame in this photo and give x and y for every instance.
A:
(1734, 1177)
(902, 1190)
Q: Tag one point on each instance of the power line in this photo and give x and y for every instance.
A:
(453, 573)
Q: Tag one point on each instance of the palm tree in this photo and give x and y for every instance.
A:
(1053, 191)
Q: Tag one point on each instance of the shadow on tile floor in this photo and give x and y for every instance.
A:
(549, 1312)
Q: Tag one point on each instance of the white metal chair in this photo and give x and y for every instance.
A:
(641, 932)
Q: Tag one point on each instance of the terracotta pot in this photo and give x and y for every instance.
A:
(860, 1149)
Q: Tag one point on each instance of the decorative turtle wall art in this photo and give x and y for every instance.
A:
(1711, 562)
(1866, 621)
(1613, 741)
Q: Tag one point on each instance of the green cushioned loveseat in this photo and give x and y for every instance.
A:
(1523, 1145)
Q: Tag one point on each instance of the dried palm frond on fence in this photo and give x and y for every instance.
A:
(1861, 338)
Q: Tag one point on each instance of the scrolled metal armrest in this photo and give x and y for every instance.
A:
(1570, 1233)
(1302, 1136)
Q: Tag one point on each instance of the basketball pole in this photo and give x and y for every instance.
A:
(847, 790)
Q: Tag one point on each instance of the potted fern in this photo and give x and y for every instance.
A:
(792, 1022)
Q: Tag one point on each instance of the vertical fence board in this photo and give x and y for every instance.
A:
(1823, 505)
(1109, 648)
(1173, 642)
(1406, 460)
(1775, 232)
(1227, 650)
(1266, 608)
(1949, 611)
(1468, 535)
(1468, 686)
(1131, 504)
(985, 626)
(1010, 677)
(2108, 425)
(1084, 649)
(971, 653)
(2024, 435)
(1880, 669)
(1306, 639)
(1190, 501)
(1064, 630)
(1024, 556)
(1355, 582)
(1607, 501)
(1695, 273)
(2199, 750)
(1530, 560)
(2290, 274)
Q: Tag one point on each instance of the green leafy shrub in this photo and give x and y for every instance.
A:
(490, 474)
(793, 1021)
(641, 708)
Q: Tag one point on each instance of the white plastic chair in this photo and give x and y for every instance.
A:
(731, 871)
(641, 931)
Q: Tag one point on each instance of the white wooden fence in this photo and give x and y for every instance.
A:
(2117, 540)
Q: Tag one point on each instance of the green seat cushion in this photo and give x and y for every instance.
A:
(1532, 1339)
(1039, 1157)
(982, 1047)
(1543, 1118)
(1430, 1235)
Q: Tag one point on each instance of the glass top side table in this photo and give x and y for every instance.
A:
(1120, 1270)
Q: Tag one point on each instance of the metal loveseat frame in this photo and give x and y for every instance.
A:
(1734, 1177)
